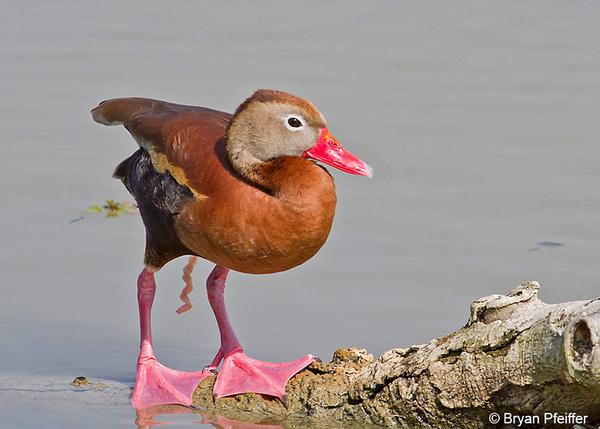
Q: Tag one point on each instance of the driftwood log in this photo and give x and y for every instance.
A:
(516, 355)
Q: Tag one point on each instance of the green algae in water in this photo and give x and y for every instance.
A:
(113, 208)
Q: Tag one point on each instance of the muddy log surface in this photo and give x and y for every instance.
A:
(516, 354)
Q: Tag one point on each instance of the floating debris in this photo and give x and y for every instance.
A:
(62, 392)
(113, 208)
(545, 243)
(80, 381)
(548, 243)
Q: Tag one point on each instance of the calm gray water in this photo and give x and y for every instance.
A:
(480, 119)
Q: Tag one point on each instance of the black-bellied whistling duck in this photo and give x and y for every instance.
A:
(239, 190)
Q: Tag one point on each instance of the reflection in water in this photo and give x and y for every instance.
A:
(145, 419)
(225, 423)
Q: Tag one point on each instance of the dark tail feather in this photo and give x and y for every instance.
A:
(122, 172)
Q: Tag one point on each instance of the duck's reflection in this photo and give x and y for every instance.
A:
(145, 419)
(148, 418)
(225, 423)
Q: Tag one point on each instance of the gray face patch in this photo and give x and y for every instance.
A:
(262, 131)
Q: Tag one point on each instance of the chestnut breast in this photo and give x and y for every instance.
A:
(237, 225)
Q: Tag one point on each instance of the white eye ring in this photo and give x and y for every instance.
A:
(286, 121)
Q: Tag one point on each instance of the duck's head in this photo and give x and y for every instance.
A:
(273, 124)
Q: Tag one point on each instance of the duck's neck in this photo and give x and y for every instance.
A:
(289, 178)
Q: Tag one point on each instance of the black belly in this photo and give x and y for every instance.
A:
(160, 199)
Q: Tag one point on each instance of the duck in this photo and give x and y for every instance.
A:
(248, 192)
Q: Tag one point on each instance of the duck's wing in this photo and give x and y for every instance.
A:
(177, 137)
(174, 166)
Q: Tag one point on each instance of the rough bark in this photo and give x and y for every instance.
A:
(516, 354)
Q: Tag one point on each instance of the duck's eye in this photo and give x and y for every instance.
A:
(294, 122)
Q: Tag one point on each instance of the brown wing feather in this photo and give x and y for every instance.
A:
(169, 132)
(119, 111)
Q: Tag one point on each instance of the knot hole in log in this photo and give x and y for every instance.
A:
(582, 343)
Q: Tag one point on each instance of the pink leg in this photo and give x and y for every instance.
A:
(155, 384)
(240, 373)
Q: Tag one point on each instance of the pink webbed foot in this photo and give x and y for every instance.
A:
(243, 374)
(156, 384)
